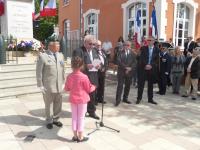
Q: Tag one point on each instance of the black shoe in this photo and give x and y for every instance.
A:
(84, 139)
(117, 103)
(158, 92)
(49, 126)
(58, 123)
(153, 102)
(102, 102)
(126, 101)
(94, 116)
(75, 139)
(184, 96)
(138, 101)
(193, 98)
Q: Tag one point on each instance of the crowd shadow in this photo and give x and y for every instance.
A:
(40, 131)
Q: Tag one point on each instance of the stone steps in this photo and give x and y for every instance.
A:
(16, 80)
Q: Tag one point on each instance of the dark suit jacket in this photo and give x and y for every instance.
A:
(165, 63)
(104, 66)
(124, 61)
(195, 68)
(190, 48)
(143, 61)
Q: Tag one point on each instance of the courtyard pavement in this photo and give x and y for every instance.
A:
(174, 124)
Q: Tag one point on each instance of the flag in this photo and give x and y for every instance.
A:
(137, 36)
(153, 30)
(49, 9)
(1, 7)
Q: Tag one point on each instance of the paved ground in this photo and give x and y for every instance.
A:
(172, 125)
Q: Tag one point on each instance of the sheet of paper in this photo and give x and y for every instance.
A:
(95, 62)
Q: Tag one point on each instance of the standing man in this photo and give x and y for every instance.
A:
(147, 69)
(126, 65)
(101, 73)
(164, 70)
(50, 79)
(89, 54)
(189, 46)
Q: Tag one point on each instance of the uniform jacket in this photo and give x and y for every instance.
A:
(165, 63)
(49, 73)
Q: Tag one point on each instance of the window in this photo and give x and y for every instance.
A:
(67, 29)
(65, 2)
(132, 18)
(91, 24)
(182, 24)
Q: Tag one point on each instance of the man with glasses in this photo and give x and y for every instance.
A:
(147, 69)
(91, 66)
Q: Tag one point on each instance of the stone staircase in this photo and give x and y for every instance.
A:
(16, 80)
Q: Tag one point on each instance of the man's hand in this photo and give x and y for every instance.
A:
(90, 66)
(148, 67)
(97, 67)
(42, 89)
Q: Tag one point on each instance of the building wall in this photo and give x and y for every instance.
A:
(110, 18)
(70, 12)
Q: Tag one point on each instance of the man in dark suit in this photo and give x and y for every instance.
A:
(101, 73)
(189, 46)
(164, 70)
(126, 65)
(89, 54)
(147, 69)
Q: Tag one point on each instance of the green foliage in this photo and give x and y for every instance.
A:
(46, 24)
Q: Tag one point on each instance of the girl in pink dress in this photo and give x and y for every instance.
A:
(79, 88)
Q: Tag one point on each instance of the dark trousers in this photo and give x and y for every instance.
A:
(91, 108)
(100, 89)
(162, 84)
(147, 75)
(93, 77)
(120, 86)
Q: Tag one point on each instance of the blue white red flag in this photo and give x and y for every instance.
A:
(153, 30)
(49, 9)
(138, 36)
(1, 7)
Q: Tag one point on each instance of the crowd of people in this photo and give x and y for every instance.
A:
(152, 63)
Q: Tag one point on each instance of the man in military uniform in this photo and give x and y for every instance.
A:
(50, 79)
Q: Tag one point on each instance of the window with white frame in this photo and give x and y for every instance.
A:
(65, 2)
(132, 18)
(67, 29)
(182, 24)
(91, 24)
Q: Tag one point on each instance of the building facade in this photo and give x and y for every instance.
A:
(108, 20)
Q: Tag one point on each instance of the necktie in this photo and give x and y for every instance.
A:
(54, 54)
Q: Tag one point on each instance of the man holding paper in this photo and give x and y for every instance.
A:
(92, 64)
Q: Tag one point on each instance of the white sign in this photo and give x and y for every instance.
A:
(19, 16)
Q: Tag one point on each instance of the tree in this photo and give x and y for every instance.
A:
(45, 25)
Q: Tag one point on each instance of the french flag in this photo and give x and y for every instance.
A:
(49, 10)
(137, 37)
(1, 7)
(153, 30)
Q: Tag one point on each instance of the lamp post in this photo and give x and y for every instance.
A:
(80, 25)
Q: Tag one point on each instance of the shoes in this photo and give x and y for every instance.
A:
(193, 98)
(49, 126)
(102, 102)
(117, 103)
(94, 116)
(158, 92)
(84, 139)
(126, 101)
(153, 102)
(184, 96)
(58, 123)
(138, 101)
(75, 139)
